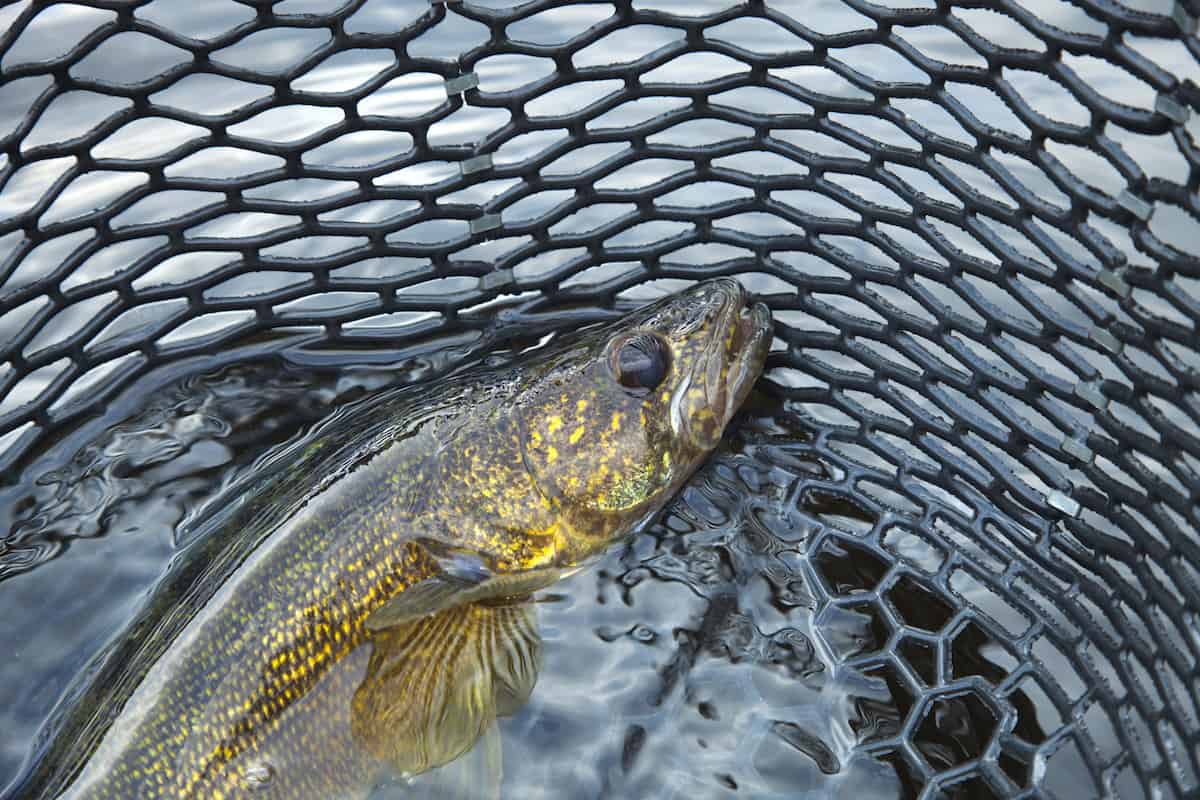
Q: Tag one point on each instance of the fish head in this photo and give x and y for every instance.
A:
(617, 417)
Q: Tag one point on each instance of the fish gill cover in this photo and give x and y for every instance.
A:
(976, 226)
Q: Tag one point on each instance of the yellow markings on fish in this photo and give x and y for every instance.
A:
(553, 424)
(551, 454)
(576, 435)
(616, 420)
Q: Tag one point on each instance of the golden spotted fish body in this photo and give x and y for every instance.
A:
(374, 623)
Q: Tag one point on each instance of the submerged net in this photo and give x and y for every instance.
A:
(974, 223)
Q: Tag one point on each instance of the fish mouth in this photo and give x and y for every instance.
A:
(753, 338)
(734, 357)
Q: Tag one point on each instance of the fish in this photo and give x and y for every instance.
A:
(363, 610)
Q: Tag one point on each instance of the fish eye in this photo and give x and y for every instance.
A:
(640, 362)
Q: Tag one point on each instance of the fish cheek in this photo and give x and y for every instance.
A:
(595, 450)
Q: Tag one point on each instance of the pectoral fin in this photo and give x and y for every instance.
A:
(435, 685)
(458, 573)
(461, 577)
(416, 602)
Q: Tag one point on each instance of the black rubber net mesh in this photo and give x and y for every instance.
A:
(974, 223)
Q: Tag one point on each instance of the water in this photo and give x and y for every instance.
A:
(738, 645)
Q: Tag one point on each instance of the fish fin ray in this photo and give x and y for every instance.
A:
(477, 775)
(435, 685)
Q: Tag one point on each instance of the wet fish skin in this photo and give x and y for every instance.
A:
(495, 480)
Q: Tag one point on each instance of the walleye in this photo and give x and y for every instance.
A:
(377, 623)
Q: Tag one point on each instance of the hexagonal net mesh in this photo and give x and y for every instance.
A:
(974, 223)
